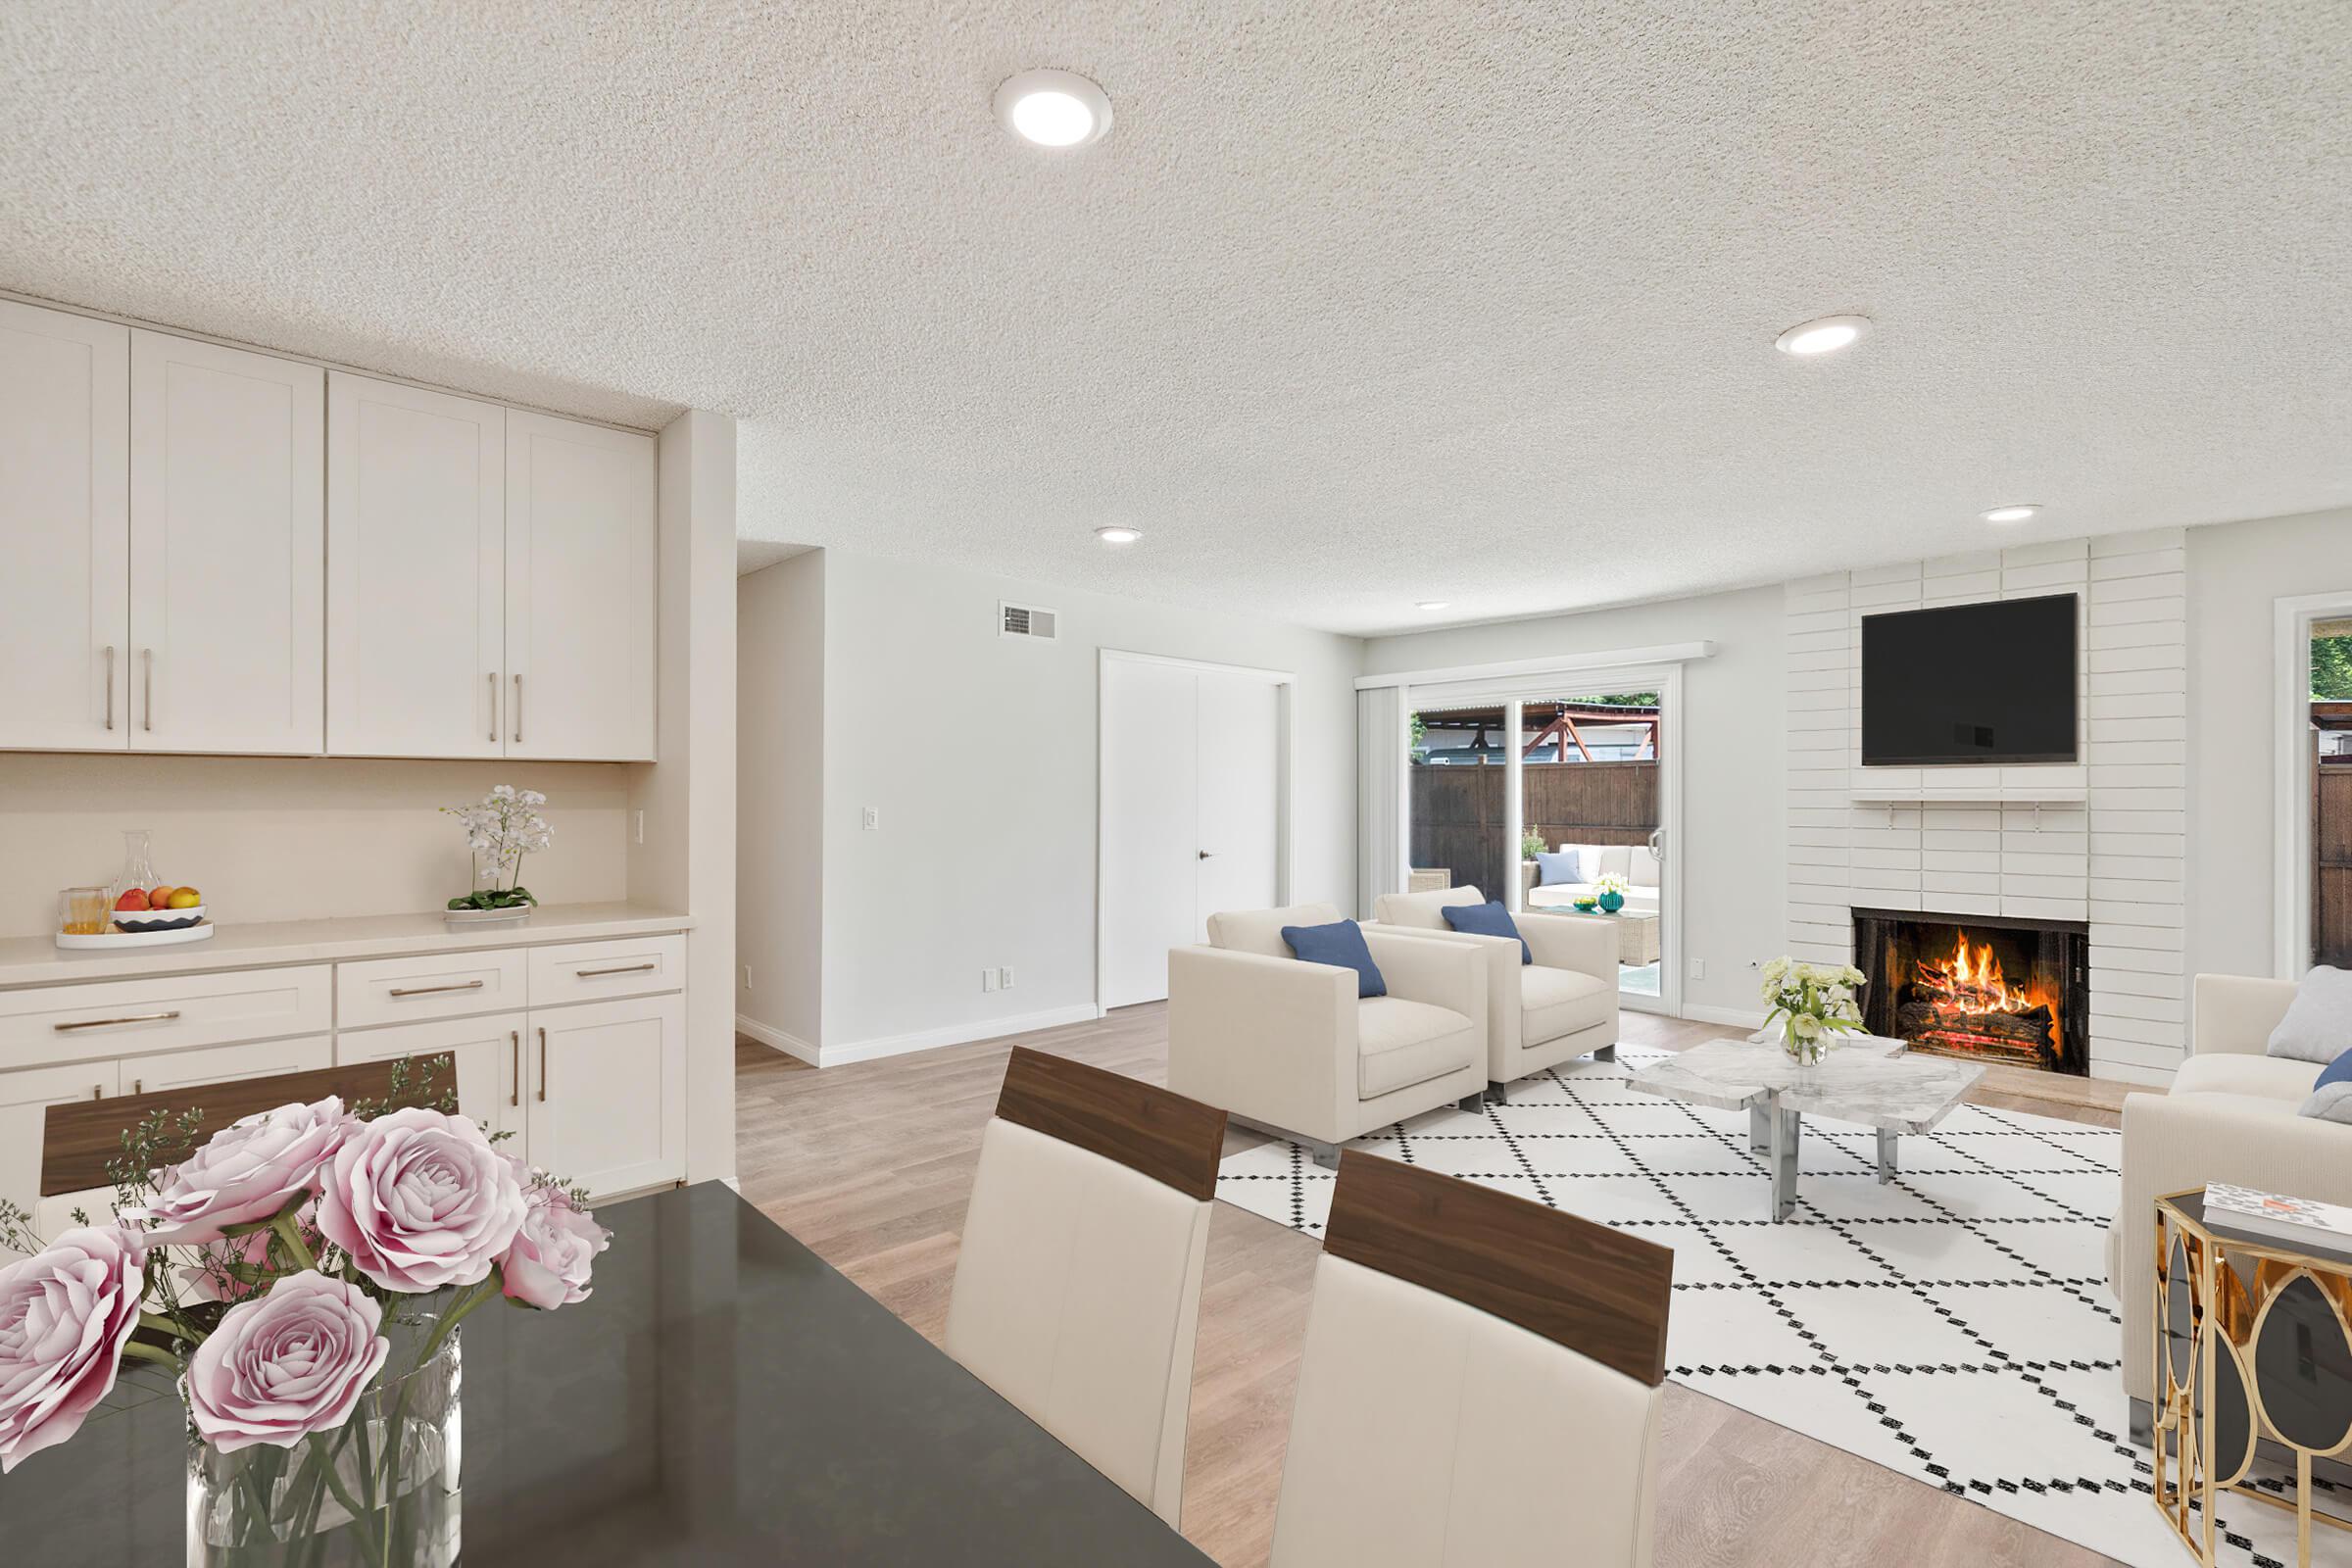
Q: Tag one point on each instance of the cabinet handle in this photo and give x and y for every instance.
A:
(518, 710)
(427, 991)
(103, 1023)
(148, 656)
(543, 1062)
(97, 1090)
(138, 1086)
(494, 706)
(110, 685)
(514, 1066)
(624, 968)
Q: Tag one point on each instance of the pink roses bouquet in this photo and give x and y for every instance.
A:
(267, 1265)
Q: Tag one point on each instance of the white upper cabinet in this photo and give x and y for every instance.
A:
(581, 564)
(416, 571)
(228, 541)
(65, 530)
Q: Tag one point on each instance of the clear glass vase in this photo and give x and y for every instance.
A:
(381, 1489)
(138, 865)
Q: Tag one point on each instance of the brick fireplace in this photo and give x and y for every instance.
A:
(1983, 988)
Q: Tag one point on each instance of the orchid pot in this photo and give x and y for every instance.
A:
(501, 828)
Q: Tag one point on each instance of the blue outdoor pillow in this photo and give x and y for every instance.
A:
(1341, 945)
(2331, 1097)
(1487, 920)
(1554, 868)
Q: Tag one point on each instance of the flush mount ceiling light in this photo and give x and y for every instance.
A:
(1826, 336)
(1118, 533)
(2013, 514)
(1054, 109)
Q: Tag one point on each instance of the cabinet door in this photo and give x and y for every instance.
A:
(25, 1100)
(489, 1057)
(579, 591)
(606, 1101)
(65, 530)
(221, 1064)
(416, 570)
(227, 550)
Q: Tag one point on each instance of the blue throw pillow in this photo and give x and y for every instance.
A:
(1341, 945)
(1487, 920)
(2331, 1097)
(1552, 870)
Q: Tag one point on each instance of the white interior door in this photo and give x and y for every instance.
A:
(416, 570)
(1148, 811)
(64, 527)
(228, 548)
(1190, 813)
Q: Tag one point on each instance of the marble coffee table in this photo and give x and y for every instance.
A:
(1871, 1080)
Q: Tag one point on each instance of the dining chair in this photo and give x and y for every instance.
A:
(1481, 1382)
(1078, 1288)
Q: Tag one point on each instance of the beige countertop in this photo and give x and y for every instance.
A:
(37, 961)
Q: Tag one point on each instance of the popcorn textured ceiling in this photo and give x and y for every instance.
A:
(1358, 303)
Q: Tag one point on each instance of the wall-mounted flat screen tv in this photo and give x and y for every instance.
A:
(1970, 683)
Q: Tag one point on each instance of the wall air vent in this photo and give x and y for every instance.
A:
(1024, 621)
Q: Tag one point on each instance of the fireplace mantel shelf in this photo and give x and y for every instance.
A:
(1954, 794)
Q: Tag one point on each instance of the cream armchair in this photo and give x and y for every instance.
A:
(1539, 1013)
(1289, 1047)
(2230, 1117)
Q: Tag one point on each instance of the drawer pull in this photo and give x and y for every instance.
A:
(97, 1090)
(543, 1064)
(138, 1086)
(107, 1023)
(429, 991)
(622, 968)
(515, 1066)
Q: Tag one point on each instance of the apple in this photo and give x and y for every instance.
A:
(185, 899)
(133, 899)
(159, 896)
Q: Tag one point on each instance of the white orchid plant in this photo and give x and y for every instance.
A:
(1610, 882)
(503, 827)
(1813, 1002)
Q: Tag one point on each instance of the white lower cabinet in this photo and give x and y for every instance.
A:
(221, 1064)
(607, 1102)
(25, 1100)
(489, 1057)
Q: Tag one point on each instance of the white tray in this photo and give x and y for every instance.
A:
(120, 941)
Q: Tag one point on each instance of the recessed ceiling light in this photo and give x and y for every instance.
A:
(1430, 604)
(1053, 107)
(1825, 336)
(1118, 533)
(2016, 514)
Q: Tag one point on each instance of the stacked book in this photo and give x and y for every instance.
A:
(2290, 1219)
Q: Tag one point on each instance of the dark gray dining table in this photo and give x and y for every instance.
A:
(725, 1396)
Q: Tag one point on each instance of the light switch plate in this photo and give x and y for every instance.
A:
(873, 817)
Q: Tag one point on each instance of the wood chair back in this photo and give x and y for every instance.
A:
(1166, 1137)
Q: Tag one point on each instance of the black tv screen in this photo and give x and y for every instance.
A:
(1972, 683)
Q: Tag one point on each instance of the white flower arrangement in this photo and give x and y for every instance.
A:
(1610, 882)
(504, 825)
(1814, 1004)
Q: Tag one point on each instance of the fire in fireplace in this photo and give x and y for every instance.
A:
(1986, 988)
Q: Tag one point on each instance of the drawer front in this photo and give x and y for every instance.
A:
(488, 1052)
(45, 1024)
(440, 985)
(595, 971)
(220, 1064)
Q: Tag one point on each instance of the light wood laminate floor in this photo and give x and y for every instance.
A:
(871, 1165)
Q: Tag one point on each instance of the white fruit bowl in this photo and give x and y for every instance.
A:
(158, 919)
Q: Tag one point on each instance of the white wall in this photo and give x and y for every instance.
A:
(780, 757)
(1734, 829)
(979, 753)
(277, 838)
(2237, 573)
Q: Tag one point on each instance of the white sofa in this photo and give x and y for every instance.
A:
(2230, 1117)
(1557, 1006)
(1289, 1047)
(1633, 861)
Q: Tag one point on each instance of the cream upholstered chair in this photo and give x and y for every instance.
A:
(1289, 1047)
(1481, 1382)
(1078, 1288)
(1539, 1013)
(2230, 1116)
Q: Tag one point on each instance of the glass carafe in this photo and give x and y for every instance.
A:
(138, 867)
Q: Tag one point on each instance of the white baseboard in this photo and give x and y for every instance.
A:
(959, 1034)
(1736, 1017)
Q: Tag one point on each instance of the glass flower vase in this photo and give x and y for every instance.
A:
(381, 1489)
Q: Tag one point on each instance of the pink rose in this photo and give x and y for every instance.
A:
(548, 1265)
(285, 1365)
(420, 1200)
(64, 1314)
(247, 1172)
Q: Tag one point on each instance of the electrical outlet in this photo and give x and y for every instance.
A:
(641, 828)
(988, 979)
(873, 818)
(1698, 968)
(1004, 978)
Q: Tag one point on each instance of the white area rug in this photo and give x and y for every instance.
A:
(1953, 1326)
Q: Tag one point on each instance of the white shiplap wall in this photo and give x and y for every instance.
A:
(2107, 844)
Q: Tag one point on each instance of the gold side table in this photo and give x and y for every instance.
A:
(2252, 1341)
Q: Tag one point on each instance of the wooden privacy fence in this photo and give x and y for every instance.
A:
(1460, 817)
